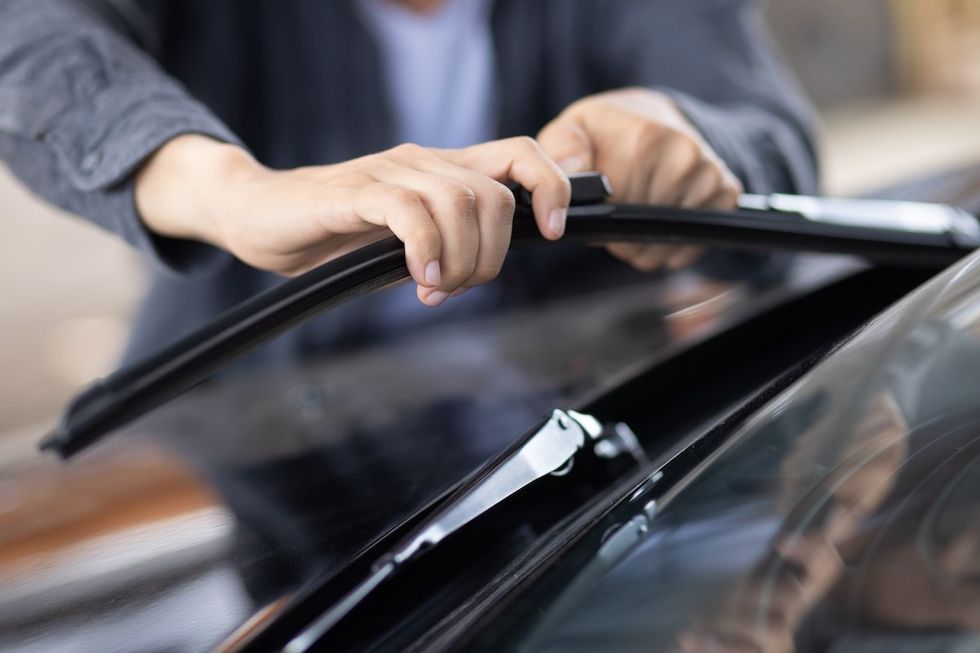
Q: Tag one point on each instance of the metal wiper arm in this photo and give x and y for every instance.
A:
(548, 451)
(134, 391)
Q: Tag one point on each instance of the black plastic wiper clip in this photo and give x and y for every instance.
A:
(587, 188)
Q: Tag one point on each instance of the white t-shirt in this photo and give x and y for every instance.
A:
(439, 70)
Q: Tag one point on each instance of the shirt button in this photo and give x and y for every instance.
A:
(91, 161)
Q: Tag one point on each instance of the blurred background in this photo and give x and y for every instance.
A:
(897, 83)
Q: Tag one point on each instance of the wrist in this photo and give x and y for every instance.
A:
(180, 190)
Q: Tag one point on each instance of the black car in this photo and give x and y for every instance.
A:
(676, 464)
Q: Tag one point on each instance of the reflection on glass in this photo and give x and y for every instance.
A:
(297, 469)
(844, 517)
(288, 472)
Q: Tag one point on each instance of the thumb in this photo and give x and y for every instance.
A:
(568, 144)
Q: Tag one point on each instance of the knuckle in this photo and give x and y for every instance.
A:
(501, 199)
(459, 199)
(585, 105)
(648, 132)
(402, 197)
(352, 179)
(525, 143)
(647, 137)
(694, 154)
(677, 140)
(383, 164)
(687, 152)
(409, 150)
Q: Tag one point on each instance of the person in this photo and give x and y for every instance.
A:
(236, 141)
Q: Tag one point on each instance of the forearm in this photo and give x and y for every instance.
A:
(81, 107)
(180, 190)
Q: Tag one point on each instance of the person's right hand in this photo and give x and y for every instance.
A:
(449, 207)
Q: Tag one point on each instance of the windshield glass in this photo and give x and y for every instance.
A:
(269, 477)
(844, 516)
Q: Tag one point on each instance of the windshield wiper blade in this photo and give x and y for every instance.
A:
(551, 450)
(136, 390)
(132, 392)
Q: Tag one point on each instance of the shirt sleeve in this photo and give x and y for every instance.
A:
(81, 106)
(717, 60)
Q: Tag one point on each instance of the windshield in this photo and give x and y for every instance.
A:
(845, 516)
(254, 485)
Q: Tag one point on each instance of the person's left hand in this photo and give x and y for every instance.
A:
(651, 154)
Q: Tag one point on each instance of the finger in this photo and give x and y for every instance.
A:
(523, 161)
(576, 147)
(402, 211)
(637, 158)
(452, 206)
(567, 142)
(725, 198)
(495, 217)
(678, 163)
(704, 186)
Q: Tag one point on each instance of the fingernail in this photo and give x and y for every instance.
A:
(572, 164)
(433, 275)
(436, 298)
(556, 221)
(458, 292)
